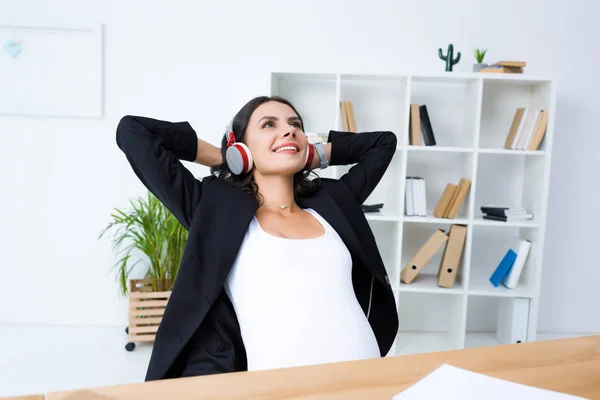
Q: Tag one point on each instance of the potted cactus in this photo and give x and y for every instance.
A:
(479, 55)
(449, 57)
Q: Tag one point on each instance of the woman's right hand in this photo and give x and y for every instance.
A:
(208, 154)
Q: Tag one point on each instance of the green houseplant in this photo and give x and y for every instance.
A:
(479, 55)
(149, 233)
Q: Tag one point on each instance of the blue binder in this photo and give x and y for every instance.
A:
(502, 269)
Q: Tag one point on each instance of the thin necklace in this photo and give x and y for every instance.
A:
(281, 206)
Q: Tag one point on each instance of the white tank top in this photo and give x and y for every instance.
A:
(295, 301)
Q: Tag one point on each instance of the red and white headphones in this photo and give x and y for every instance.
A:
(238, 156)
(239, 159)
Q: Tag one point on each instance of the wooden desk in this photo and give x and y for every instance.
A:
(566, 365)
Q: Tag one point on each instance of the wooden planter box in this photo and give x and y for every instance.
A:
(146, 308)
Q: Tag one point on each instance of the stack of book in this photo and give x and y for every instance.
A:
(451, 199)
(454, 240)
(505, 213)
(527, 129)
(505, 67)
(415, 203)
(420, 130)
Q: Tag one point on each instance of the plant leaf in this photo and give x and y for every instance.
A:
(149, 229)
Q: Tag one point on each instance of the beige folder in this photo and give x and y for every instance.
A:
(445, 200)
(415, 125)
(539, 131)
(350, 116)
(425, 253)
(344, 117)
(514, 128)
(458, 198)
(452, 254)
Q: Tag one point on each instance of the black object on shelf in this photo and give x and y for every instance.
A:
(371, 207)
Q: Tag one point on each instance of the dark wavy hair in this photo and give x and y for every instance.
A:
(303, 186)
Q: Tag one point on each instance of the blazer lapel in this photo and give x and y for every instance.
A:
(235, 223)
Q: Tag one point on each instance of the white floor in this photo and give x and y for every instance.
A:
(39, 359)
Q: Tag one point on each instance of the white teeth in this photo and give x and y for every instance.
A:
(285, 148)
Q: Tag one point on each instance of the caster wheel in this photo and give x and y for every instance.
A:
(130, 346)
(127, 330)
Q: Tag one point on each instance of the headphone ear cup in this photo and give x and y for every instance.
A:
(239, 158)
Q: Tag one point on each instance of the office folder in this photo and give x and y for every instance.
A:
(423, 256)
(513, 314)
(445, 200)
(461, 193)
(452, 255)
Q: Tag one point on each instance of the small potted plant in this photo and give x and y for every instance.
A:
(149, 234)
(479, 55)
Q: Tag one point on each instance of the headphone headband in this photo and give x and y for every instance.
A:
(229, 134)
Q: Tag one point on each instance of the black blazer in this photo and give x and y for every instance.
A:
(199, 333)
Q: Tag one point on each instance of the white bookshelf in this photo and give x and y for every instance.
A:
(470, 114)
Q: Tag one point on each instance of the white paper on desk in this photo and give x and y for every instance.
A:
(451, 383)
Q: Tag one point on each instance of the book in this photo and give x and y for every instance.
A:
(527, 129)
(503, 267)
(517, 64)
(344, 117)
(426, 129)
(347, 116)
(420, 129)
(415, 198)
(445, 200)
(368, 208)
(521, 247)
(415, 135)
(459, 197)
(498, 69)
(505, 213)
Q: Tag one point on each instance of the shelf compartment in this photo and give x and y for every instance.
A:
(387, 189)
(439, 169)
(379, 103)
(450, 105)
(511, 179)
(500, 101)
(386, 236)
(313, 95)
(415, 235)
(430, 322)
(489, 245)
(494, 321)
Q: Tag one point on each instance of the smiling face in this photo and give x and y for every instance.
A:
(276, 139)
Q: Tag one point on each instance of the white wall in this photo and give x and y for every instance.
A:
(200, 61)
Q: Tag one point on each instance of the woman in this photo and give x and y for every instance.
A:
(279, 270)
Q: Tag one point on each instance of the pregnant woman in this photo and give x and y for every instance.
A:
(279, 270)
